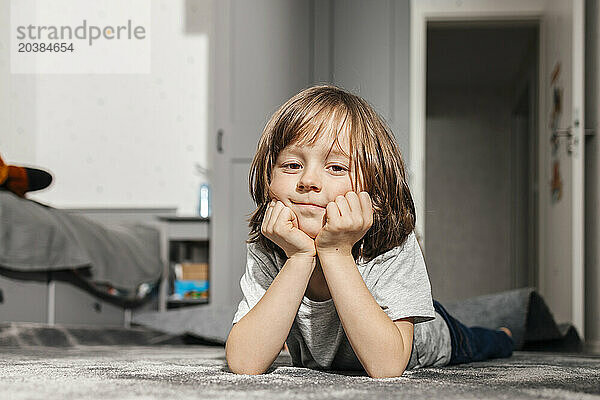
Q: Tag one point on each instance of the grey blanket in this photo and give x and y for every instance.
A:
(34, 237)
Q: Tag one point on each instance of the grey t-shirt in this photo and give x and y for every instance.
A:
(398, 281)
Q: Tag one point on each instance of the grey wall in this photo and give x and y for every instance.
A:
(592, 176)
(363, 46)
(468, 203)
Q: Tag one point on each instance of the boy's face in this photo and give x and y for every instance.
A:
(306, 178)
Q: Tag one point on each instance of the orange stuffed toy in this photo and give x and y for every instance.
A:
(21, 180)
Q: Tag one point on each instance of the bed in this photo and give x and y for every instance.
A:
(60, 266)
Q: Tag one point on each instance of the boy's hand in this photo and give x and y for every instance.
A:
(346, 222)
(280, 224)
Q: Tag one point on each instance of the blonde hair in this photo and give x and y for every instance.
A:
(375, 157)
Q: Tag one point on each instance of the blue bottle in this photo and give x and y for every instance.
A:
(204, 203)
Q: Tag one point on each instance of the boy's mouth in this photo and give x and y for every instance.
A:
(307, 204)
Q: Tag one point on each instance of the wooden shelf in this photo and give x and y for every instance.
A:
(172, 303)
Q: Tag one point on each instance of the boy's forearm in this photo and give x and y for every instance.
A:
(256, 340)
(374, 337)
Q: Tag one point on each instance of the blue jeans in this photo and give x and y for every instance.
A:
(475, 343)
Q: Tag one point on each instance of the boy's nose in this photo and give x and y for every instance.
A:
(309, 180)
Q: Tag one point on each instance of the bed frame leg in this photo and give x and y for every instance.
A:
(51, 302)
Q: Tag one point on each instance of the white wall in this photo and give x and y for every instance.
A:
(17, 102)
(117, 139)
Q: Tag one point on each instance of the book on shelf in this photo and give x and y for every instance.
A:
(191, 281)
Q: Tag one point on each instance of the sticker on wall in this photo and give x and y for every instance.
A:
(557, 99)
(556, 91)
(556, 183)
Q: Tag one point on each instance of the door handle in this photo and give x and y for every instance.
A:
(220, 141)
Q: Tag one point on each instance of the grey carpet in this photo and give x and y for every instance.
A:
(27, 334)
(200, 372)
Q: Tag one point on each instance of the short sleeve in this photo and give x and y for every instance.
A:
(259, 274)
(401, 285)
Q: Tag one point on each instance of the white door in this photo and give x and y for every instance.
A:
(561, 228)
(561, 279)
(261, 56)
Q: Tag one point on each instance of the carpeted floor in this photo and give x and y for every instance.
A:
(187, 372)
(69, 362)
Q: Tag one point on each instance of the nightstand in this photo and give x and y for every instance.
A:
(183, 240)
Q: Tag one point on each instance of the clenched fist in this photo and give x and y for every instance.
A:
(347, 219)
(280, 225)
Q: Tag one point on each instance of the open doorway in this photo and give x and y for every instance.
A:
(481, 169)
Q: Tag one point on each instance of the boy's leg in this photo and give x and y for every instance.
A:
(475, 343)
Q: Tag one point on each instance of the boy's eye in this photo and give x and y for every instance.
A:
(334, 168)
(338, 168)
(292, 165)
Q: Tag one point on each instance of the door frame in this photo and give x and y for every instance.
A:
(423, 11)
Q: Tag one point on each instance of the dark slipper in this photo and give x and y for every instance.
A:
(21, 180)
(37, 179)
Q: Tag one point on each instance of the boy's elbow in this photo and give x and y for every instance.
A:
(384, 367)
(379, 371)
(385, 373)
(239, 364)
(245, 371)
(242, 367)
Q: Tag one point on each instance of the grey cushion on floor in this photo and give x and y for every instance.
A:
(207, 322)
(522, 310)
